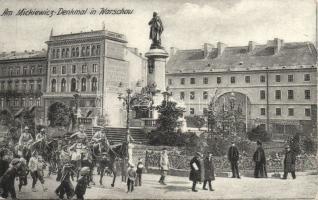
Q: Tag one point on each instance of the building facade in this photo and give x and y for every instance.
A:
(85, 70)
(23, 81)
(275, 84)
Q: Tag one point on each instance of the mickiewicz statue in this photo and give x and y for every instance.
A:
(156, 29)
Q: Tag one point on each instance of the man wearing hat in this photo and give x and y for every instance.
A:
(289, 163)
(195, 170)
(131, 178)
(233, 156)
(80, 135)
(8, 179)
(82, 183)
(260, 161)
(66, 186)
(41, 138)
(164, 165)
(25, 140)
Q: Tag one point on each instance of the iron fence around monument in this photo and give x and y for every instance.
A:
(273, 163)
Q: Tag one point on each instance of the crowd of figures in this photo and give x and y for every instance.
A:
(76, 158)
(79, 157)
(202, 167)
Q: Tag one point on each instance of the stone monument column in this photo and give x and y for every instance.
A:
(156, 75)
(157, 56)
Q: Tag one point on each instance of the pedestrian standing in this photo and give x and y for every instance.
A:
(164, 166)
(233, 156)
(289, 163)
(260, 162)
(82, 183)
(195, 170)
(140, 167)
(131, 178)
(208, 171)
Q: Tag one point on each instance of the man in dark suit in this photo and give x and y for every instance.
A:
(260, 162)
(233, 156)
(289, 163)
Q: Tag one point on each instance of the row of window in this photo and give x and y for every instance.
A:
(290, 112)
(278, 95)
(79, 51)
(23, 85)
(74, 87)
(84, 69)
(20, 102)
(262, 79)
(26, 70)
(278, 111)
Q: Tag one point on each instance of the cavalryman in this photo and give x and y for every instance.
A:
(97, 140)
(41, 138)
(25, 140)
(80, 134)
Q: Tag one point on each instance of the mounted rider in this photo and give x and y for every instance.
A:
(41, 138)
(80, 135)
(99, 139)
(25, 140)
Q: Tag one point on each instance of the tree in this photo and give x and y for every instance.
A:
(196, 120)
(169, 114)
(60, 114)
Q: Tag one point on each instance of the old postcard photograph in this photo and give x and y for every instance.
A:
(158, 99)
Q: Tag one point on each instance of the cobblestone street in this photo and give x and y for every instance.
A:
(304, 187)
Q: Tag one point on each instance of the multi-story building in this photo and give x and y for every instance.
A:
(23, 81)
(85, 70)
(275, 84)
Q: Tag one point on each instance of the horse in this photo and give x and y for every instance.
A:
(114, 154)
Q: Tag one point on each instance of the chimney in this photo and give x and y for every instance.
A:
(251, 46)
(221, 46)
(173, 51)
(278, 44)
(207, 48)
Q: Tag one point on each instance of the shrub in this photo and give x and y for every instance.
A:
(309, 146)
(258, 133)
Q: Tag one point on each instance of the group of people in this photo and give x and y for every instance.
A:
(202, 167)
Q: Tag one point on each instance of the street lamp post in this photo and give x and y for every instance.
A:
(126, 102)
(76, 97)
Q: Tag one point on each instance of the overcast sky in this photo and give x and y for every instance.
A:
(188, 23)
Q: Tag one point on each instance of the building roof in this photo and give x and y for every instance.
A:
(240, 58)
(90, 34)
(6, 56)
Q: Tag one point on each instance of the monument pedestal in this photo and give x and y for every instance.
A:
(156, 75)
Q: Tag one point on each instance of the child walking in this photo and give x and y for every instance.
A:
(131, 178)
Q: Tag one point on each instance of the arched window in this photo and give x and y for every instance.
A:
(63, 53)
(77, 52)
(53, 53)
(98, 50)
(87, 50)
(83, 51)
(73, 85)
(53, 86)
(93, 50)
(94, 84)
(63, 85)
(67, 52)
(73, 52)
(58, 53)
(83, 84)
